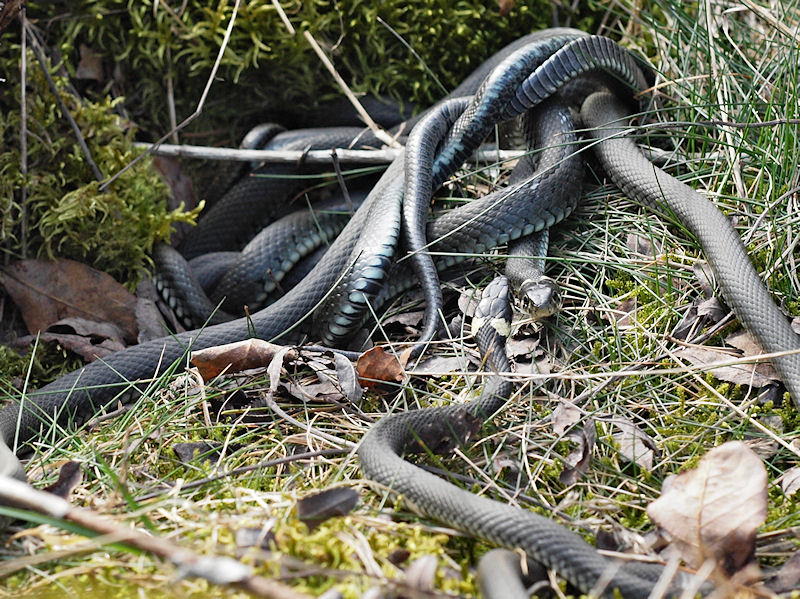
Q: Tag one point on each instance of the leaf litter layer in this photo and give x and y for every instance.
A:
(627, 278)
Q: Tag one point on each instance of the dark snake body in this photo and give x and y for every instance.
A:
(78, 395)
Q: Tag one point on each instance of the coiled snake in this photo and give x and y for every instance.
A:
(533, 70)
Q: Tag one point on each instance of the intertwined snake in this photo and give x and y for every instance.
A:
(538, 73)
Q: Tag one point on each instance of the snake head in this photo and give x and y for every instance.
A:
(540, 297)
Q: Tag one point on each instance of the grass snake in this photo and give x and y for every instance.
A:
(526, 76)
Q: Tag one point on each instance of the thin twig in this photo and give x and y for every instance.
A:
(200, 104)
(173, 117)
(23, 137)
(38, 53)
(344, 155)
(340, 178)
(219, 570)
(379, 133)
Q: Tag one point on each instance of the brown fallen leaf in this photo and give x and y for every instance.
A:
(635, 445)
(90, 65)
(376, 366)
(89, 348)
(348, 378)
(788, 577)
(790, 481)
(235, 357)
(47, 291)
(69, 477)
(579, 458)
(755, 374)
(713, 511)
(315, 509)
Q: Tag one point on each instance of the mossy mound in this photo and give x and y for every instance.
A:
(266, 72)
(65, 213)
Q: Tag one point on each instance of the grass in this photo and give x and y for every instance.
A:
(732, 65)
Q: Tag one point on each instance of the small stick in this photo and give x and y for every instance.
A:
(379, 133)
(64, 110)
(344, 155)
(23, 135)
(220, 570)
(340, 178)
(200, 104)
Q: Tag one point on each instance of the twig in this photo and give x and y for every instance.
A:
(23, 133)
(200, 104)
(219, 570)
(173, 117)
(344, 155)
(340, 178)
(379, 133)
(37, 52)
(270, 402)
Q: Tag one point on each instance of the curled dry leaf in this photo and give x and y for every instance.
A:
(754, 375)
(315, 509)
(47, 291)
(69, 477)
(376, 366)
(790, 481)
(565, 417)
(235, 357)
(713, 511)
(348, 379)
(634, 444)
(578, 460)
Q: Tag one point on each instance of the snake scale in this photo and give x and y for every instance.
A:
(527, 77)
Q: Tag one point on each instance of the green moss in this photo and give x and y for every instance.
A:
(268, 69)
(48, 363)
(67, 215)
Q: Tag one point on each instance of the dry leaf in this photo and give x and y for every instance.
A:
(522, 347)
(714, 511)
(315, 509)
(788, 577)
(324, 391)
(375, 366)
(639, 244)
(439, 364)
(47, 291)
(790, 481)
(755, 375)
(578, 460)
(235, 357)
(90, 65)
(348, 379)
(634, 444)
(69, 477)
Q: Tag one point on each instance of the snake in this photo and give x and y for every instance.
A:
(527, 77)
